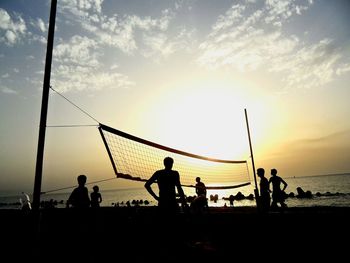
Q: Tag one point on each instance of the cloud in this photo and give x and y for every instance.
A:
(40, 39)
(248, 39)
(79, 51)
(39, 24)
(120, 31)
(67, 78)
(79, 67)
(238, 40)
(147, 36)
(11, 31)
(339, 137)
(81, 7)
(7, 90)
(14, 30)
(328, 146)
(310, 66)
(233, 15)
(343, 68)
(160, 46)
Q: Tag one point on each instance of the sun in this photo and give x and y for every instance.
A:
(203, 117)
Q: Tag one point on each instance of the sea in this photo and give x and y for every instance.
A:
(327, 190)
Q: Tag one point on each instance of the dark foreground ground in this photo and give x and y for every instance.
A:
(142, 235)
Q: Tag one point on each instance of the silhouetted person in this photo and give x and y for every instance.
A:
(167, 180)
(25, 202)
(201, 190)
(200, 201)
(231, 199)
(301, 192)
(79, 198)
(96, 197)
(278, 194)
(264, 191)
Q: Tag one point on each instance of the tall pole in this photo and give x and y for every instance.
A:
(256, 191)
(44, 106)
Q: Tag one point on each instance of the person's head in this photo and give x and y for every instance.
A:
(95, 188)
(168, 162)
(198, 179)
(82, 179)
(273, 171)
(260, 172)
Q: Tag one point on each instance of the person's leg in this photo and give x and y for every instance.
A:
(274, 204)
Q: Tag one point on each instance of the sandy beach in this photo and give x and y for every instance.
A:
(141, 234)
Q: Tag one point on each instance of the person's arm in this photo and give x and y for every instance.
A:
(148, 187)
(270, 182)
(69, 200)
(197, 188)
(284, 184)
(87, 197)
(180, 191)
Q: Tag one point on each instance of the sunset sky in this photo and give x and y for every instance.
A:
(179, 73)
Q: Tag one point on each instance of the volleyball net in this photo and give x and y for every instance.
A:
(136, 159)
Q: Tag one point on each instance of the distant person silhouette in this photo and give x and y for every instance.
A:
(264, 191)
(79, 198)
(278, 194)
(167, 180)
(96, 197)
(201, 190)
(200, 202)
(25, 202)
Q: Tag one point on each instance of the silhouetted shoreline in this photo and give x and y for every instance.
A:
(139, 234)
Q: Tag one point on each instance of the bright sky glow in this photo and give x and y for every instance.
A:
(179, 73)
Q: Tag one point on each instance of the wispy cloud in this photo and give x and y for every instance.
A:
(248, 39)
(7, 90)
(79, 58)
(39, 24)
(78, 65)
(78, 51)
(68, 78)
(130, 33)
(343, 68)
(328, 139)
(159, 46)
(321, 145)
(244, 40)
(310, 66)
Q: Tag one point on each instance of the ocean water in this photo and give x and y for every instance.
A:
(331, 190)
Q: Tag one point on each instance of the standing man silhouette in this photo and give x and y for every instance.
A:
(167, 180)
(278, 194)
(264, 191)
(79, 198)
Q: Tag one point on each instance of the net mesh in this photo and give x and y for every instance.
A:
(137, 159)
